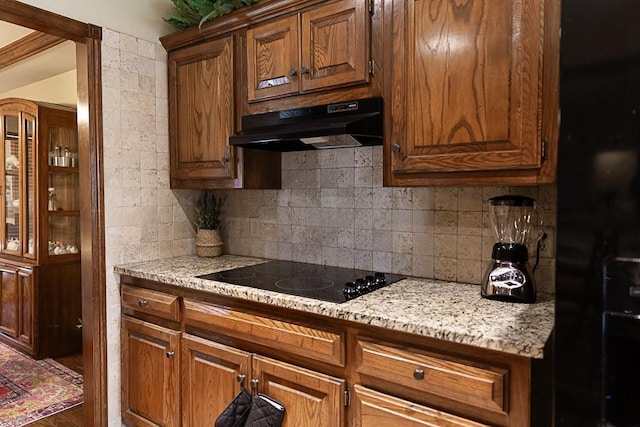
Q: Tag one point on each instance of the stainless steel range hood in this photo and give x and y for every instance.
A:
(343, 124)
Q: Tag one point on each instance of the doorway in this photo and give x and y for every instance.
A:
(88, 40)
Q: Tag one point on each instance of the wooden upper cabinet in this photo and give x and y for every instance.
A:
(272, 59)
(466, 92)
(324, 47)
(201, 113)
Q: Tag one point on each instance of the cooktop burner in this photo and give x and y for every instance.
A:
(334, 284)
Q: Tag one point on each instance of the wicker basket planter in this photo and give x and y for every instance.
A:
(208, 243)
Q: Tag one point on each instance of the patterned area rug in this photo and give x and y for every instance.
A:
(33, 389)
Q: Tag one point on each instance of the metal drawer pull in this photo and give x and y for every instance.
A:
(254, 384)
(170, 354)
(418, 374)
(142, 302)
(240, 378)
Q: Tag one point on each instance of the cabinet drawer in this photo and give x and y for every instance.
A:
(311, 343)
(151, 302)
(375, 409)
(460, 380)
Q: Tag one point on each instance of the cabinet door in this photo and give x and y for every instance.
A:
(209, 372)
(201, 113)
(311, 399)
(9, 301)
(466, 88)
(272, 59)
(335, 45)
(61, 202)
(150, 374)
(18, 177)
(374, 409)
(25, 311)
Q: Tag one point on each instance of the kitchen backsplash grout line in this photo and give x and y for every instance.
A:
(333, 210)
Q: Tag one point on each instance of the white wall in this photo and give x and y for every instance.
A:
(60, 89)
(140, 18)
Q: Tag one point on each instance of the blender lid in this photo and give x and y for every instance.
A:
(512, 200)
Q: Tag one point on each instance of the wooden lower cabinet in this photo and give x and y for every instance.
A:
(40, 309)
(210, 381)
(209, 378)
(311, 399)
(182, 357)
(374, 409)
(16, 302)
(150, 374)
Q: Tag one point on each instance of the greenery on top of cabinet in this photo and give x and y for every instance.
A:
(190, 13)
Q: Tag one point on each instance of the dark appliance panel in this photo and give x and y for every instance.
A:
(621, 343)
(598, 189)
(321, 282)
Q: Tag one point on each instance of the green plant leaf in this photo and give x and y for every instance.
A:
(190, 13)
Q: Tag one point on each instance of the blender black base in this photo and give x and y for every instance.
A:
(509, 281)
(511, 298)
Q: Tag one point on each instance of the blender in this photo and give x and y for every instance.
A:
(508, 276)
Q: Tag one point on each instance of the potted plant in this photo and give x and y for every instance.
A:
(190, 13)
(209, 221)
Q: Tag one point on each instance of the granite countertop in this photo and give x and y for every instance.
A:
(444, 310)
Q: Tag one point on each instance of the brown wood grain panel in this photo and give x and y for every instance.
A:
(9, 301)
(335, 44)
(202, 111)
(209, 379)
(316, 344)
(462, 381)
(150, 374)
(453, 46)
(466, 92)
(25, 286)
(151, 302)
(374, 409)
(42, 20)
(311, 399)
(272, 59)
(26, 47)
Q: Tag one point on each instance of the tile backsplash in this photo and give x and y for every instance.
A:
(332, 209)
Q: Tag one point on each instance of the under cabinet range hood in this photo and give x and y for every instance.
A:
(338, 125)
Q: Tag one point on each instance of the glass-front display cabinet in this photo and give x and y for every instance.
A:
(40, 233)
(40, 216)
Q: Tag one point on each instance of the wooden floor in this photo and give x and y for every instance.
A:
(71, 417)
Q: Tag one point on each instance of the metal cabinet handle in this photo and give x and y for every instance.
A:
(170, 354)
(395, 148)
(225, 159)
(142, 302)
(292, 72)
(254, 384)
(418, 374)
(304, 70)
(240, 378)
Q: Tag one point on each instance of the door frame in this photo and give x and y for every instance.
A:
(89, 76)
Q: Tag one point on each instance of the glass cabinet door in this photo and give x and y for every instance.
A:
(11, 163)
(19, 212)
(63, 192)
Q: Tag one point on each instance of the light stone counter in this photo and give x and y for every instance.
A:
(444, 310)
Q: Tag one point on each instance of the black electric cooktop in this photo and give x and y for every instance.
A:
(334, 284)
